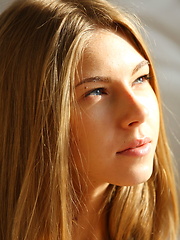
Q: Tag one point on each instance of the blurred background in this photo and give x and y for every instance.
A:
(161, 20)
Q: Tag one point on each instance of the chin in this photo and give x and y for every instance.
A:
(137, 176)
(137, 181)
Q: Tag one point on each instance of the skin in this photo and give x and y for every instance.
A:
(116, 108)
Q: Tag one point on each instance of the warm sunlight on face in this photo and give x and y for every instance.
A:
(116, 123)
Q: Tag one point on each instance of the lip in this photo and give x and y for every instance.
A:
(137, 148)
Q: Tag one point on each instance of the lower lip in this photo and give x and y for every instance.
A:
(137, 152)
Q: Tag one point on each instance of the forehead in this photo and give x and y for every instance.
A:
(108, 50)
(104, 41)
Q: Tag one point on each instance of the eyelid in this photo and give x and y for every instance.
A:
(103, 89)
(145, 77)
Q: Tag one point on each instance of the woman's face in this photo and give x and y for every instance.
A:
(116, 123)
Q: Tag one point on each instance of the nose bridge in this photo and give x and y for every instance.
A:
(133, 109)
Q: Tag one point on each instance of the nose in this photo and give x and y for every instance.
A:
(133, 110)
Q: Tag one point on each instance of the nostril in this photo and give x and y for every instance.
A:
(132, 123)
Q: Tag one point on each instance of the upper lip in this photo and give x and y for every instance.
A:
(136, 143)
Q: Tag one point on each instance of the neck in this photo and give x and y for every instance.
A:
(90, 222)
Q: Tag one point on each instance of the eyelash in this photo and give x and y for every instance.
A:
(103, 91)
(100, 90)
(144, 79)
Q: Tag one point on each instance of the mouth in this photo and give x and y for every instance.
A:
(137, 148)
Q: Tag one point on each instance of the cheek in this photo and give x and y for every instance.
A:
(82, 137)
(87, 143)
(154, 111)
(153, 119)
(79, 139)
(150, 102)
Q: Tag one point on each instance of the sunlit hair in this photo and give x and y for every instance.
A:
(41, 43)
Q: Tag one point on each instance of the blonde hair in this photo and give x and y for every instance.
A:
(41, 42)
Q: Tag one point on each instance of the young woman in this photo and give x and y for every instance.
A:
(83, 149)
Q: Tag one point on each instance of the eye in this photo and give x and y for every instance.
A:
(142, 79)
(96, 92)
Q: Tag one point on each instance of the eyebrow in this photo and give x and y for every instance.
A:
(94, 79)
(106, 79)
(140, 65)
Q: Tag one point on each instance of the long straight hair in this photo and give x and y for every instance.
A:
(41, 43)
